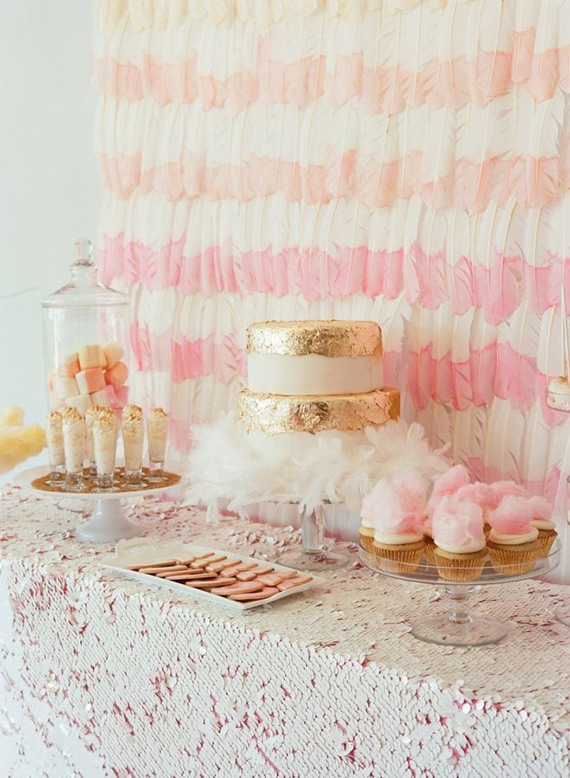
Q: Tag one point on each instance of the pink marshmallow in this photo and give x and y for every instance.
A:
(512, 516)
(117, 375)
(91, 356)
(122, 396)
(111, 395)
(90, 380)
(113, 353)
(68, 365)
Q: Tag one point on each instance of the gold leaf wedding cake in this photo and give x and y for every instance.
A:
(315, 375)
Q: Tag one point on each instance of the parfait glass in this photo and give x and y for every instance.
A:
(73, 441)
(105, 447)
(157, 435)
(133, 439)
(56, 451)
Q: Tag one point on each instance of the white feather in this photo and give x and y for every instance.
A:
(226, 463)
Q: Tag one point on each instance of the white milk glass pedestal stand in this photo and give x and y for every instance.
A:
(108, 523)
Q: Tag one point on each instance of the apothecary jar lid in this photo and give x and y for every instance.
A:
(84, 289)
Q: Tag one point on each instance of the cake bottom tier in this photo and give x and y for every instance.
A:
(275, 414)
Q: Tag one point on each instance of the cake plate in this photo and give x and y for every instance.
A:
(108, 523)
(459, 627)
(313, 556)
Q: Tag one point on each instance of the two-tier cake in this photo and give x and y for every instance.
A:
(315, 375)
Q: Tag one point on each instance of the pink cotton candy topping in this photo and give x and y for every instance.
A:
(396, 505)
(457, 523)
(541, 508)
(478, 493)
(447, 484)
(503, 489)
(512, 516)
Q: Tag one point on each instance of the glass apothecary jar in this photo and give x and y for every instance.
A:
(85, 340)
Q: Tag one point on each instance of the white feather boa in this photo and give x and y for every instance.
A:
(227, 463)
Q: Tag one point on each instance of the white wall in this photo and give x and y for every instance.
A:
(49, 189)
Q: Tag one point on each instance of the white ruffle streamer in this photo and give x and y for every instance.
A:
(227, 463)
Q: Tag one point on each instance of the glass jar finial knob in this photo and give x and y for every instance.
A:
(83, 251)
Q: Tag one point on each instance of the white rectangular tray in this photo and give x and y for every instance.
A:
(146, 551)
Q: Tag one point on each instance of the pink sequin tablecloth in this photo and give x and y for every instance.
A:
(104, 677)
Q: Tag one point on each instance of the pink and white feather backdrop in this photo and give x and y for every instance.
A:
(395, 160)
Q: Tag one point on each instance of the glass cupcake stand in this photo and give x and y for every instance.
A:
(559, 401)
(459, 627)
(108, 523)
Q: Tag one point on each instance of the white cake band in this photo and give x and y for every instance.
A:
(312, 374)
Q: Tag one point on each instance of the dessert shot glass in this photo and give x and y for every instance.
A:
(157, 434)
(90, 417)
(73, 427)
(105, 449)
(56, 453)
(133, 439)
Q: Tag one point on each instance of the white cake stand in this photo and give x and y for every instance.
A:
(108, 523)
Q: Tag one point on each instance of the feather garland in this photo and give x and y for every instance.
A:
(226, 463)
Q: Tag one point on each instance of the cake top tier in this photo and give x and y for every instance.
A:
(327, 337)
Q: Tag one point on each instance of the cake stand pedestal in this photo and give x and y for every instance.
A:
(313, 556)
(108, 523)
(460, 626)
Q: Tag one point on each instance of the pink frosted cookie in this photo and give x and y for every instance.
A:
(291, 583)
(267, 591)
(241, 587)
(222, 583)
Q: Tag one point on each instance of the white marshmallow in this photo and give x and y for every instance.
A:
(113, 353)
(66, 387)
(100, 398)
(81, 401)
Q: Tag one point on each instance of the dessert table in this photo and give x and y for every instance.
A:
(102, 676)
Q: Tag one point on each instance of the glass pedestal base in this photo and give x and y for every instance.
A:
(473, 631)
(563, 614)
(316, 562)
(314, 556)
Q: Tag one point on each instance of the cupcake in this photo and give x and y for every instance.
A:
(542, 520)
(460, 550)
(366, 533)
(448, 483)
(396, 509)
(512, 543)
